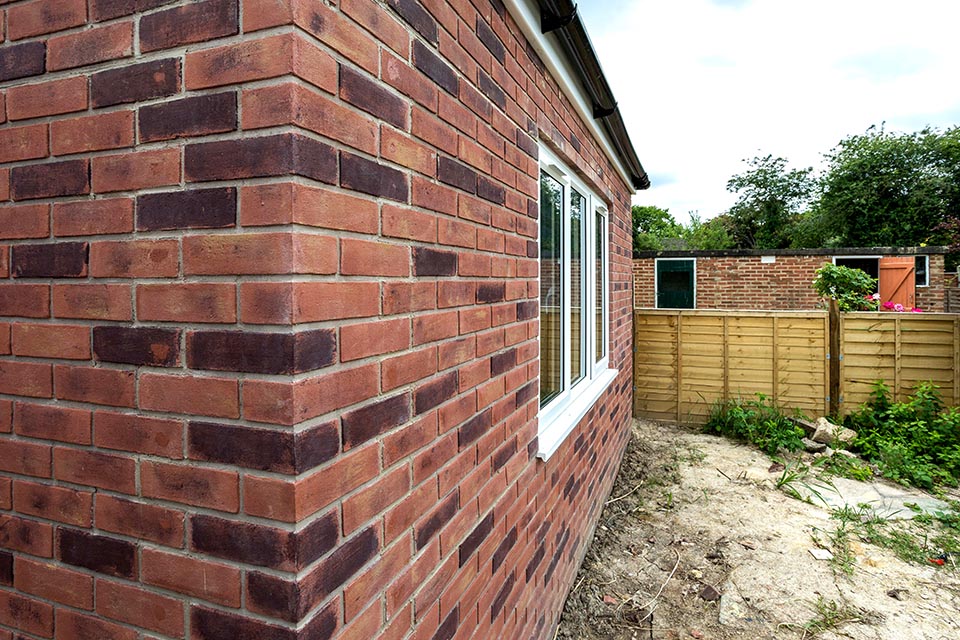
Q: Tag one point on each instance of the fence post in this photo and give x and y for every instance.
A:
(834, 354)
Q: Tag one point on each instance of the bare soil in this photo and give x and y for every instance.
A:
(696, 541)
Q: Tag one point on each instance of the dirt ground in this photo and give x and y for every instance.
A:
(697, 542)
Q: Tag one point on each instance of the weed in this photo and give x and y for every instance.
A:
(756, 421)
(828, 615)
(846, 467)
(796, 475)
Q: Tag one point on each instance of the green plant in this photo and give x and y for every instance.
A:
(796, 475)
(851, 288)
(758, 422)
(916, 442)
(846, 467)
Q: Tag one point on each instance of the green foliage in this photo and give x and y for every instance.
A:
(846, 467)
(756, 421)
(713, 234)
(771, 198)
(651, 225)
(849, 287)
(916, 442)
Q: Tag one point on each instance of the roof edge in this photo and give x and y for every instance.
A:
(838, 251)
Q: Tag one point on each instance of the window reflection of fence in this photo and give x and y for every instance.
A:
(551, 343)
(685, 361)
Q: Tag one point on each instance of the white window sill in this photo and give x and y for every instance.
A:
(561, 422)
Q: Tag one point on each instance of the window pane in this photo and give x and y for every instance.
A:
(578, 287)
(921, 271)
(551, 287)
(601, 244)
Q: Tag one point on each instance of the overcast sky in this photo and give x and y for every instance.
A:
(704, 84)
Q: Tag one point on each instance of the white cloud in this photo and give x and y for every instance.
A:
(704, 84)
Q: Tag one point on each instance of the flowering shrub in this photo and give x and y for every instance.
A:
(851, 288)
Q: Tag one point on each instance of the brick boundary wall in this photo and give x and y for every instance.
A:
(268, 323)
(744, 282)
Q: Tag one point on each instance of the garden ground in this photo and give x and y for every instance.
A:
(696, 541)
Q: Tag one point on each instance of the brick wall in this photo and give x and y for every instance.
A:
(744, 282)
(268, 320)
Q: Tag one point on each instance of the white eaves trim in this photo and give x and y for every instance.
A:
(527, 15)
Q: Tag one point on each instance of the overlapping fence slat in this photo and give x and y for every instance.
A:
(686, 361)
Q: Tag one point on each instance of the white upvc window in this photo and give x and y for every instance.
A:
(574, 301)
(922, 271)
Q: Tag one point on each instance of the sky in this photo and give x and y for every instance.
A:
(705, 84)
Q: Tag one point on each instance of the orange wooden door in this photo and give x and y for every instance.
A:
(897, 281)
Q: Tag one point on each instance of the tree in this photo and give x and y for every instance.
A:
(889, 189)
(651, 225)
(713, 234)
(771, 199)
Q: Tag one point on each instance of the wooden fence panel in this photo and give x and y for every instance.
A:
(686, 361)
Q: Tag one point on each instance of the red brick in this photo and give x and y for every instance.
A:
(70, 342)
(52, 422)
(407, 368)
(373, 338)
(93, 217)
(25, 458)
(339, 34)
(363, 257)
(138, 170)
(194, 302)
(26, 536)
(91, 301)
(112, 130)
(407, 80)
(47, 98)
(193, 485)
(44, 16)
(138, 434)
(90, 46)
(367, 585)
(53, 503)
(435, 326)
(26, 614)
(401, 516)
(55, 583)
(375, 499)
(135, 259)
(405, 297)
(74, 626)
(24, 221)
(285, 203)
(26, 379)
(217, 397)
(348, 472)
(205, 580)
(23, 143)
(409, 438)
(138, 520)
(132, 605)
(409, 224)
(260, 253)
(114, 387)
(105, 471)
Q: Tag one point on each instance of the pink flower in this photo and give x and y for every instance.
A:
(888, 305)
(898, 307)
(916, 310)
(875, 296)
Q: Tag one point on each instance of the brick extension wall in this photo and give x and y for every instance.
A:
(744, 282)
(268, 319)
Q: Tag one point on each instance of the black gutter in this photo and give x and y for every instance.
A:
(560, 18)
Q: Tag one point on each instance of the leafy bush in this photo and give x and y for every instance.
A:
(851, 288)
(916, 442)
(755, 421)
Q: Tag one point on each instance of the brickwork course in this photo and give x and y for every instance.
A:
(725, 281)
(268, 323)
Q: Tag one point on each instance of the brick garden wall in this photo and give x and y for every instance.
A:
(744, 282)
(268, 320)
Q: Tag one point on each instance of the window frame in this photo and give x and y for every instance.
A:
(561, 414)
(926, 271)
(656, 281)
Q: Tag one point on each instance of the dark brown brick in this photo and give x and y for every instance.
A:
(527, 309)
(195, 22)
(194, 116)
(417, 17)
(137, 345)
(503, 362)
(535, 561)
(472, 541)
(456, 174)
(489, 88)
(501, 598)
(136, 82)
(441, 515)
(434, 68)
(435, 393)
(490, 190)
(61, 260)
(22, 60)
(430, 262)
(361, 425)
(375, 179)
(490, 40)
(527, 144)
(371, 96)
(97, 553)
(491, 292)
(278, 451)
(504, 548)
(271, 353)
(474, 428)
(319, 537)
(6, 568)
(208, 624)
(50, 180)
(449, 625)
(283, 154)
(503, 455)
(106, 9)
(194, 209)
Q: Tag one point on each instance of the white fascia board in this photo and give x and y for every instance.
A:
(527, 15)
